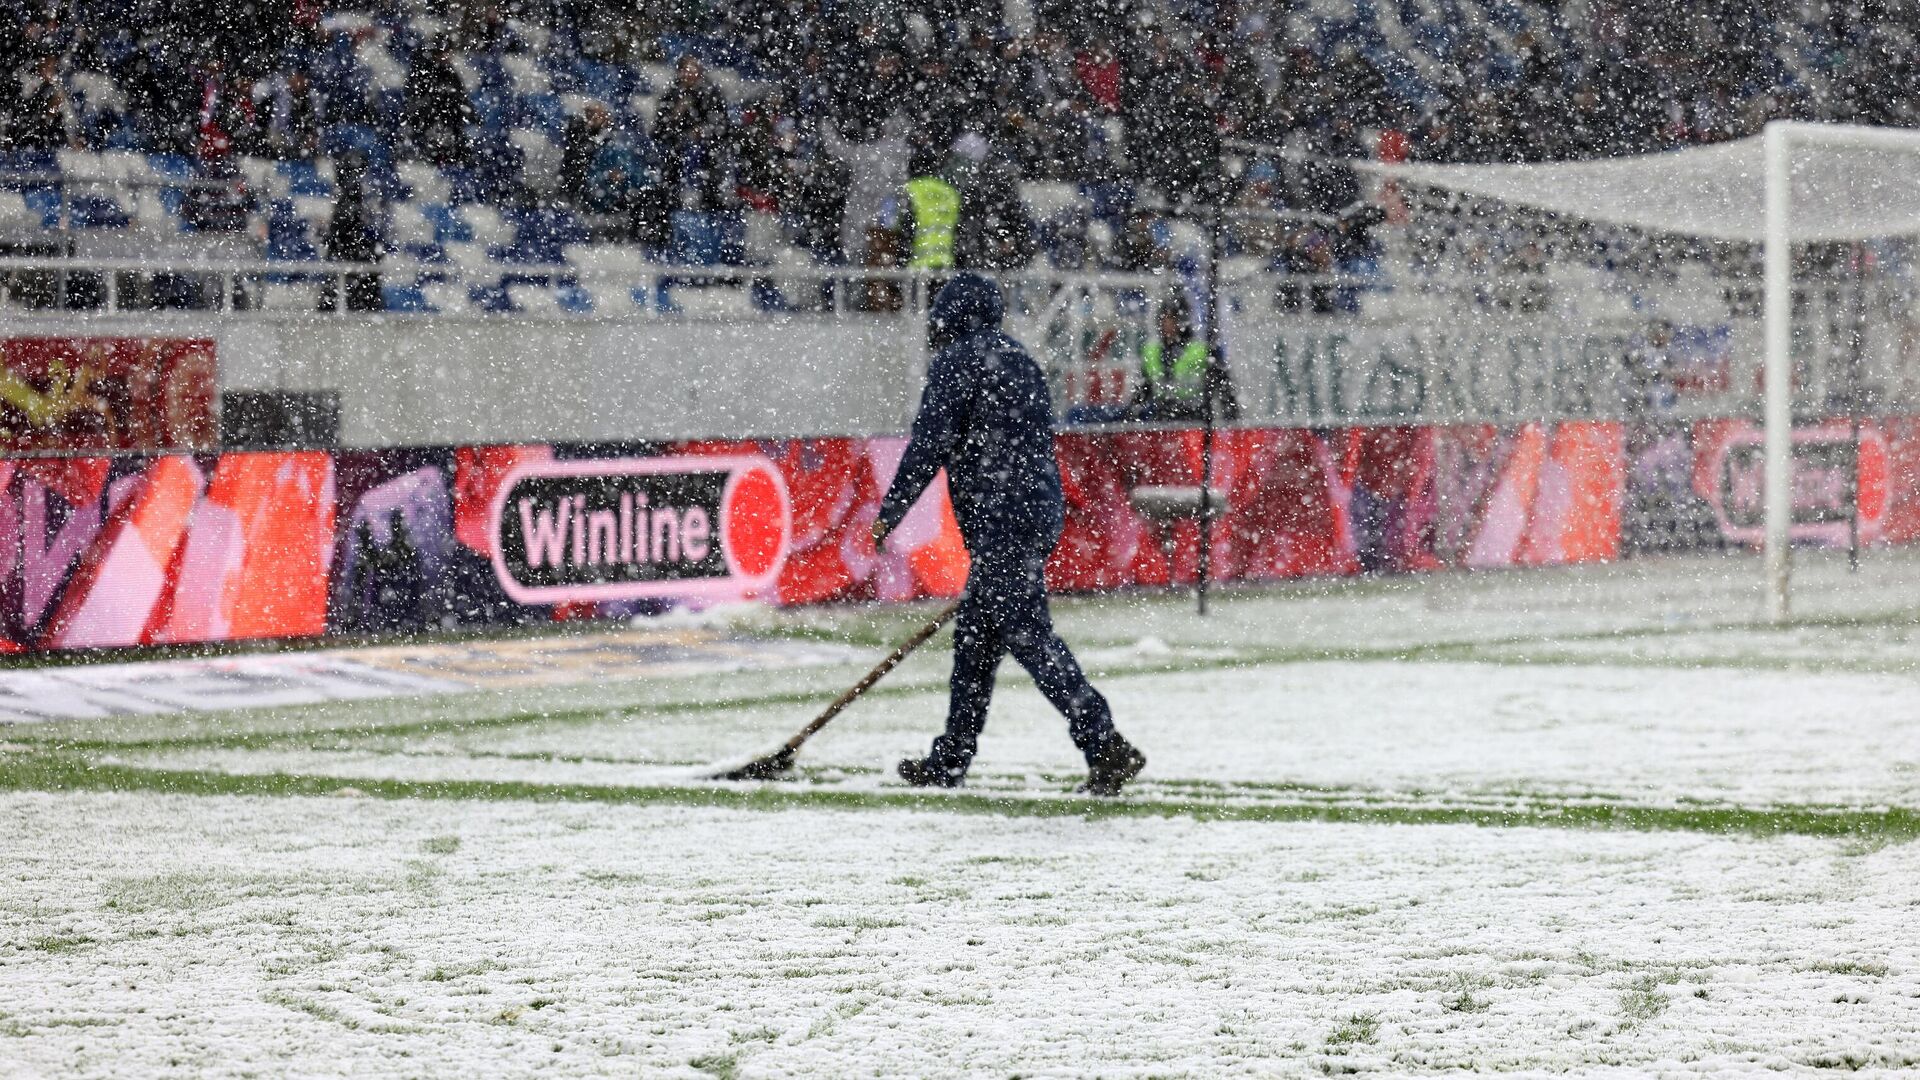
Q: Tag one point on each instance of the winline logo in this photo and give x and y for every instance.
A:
(627, 528)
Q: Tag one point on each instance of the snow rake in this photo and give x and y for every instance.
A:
(780, 761)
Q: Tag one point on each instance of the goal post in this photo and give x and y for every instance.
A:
(1811, 226)
(1782, 138)
(1777, 368)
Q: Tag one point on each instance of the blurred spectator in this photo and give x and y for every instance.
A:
(351, 238)
(876, 93)
(218, 202)
(933, 218)
(1099, 72)
(293, 115)
(812, 193)
(993, 232)
(1125, 103)
(606, 175)
(690, 128)
(1178, 377)
(44, 118)
(437, 108)
(876, 160)
(1136, 250)
(586, 136)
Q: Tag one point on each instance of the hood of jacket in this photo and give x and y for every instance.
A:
(966, 305)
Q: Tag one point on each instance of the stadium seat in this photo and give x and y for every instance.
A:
(44, 201)
(14, 213)
(404, 298)
(489, 299)
(1046, 200)
(425, 183)
(383, 71)
(288, 296)
(446, 298)
(448, 226)
(713, 302)
(541, 236)
(304, 179)
(88, 210)
(536, 37)
(658, 76)
(315, 210)
(288, 235)
(546, 113)
(171, 166)
(763, 238)
(1187, 238)
(408, 225)
(81, 165)
(346, 22)
(486, 227)
(157, 211)
(611, 261)
(261, 176)
(98, 90)
(470, 259)
(526, 74)
(706, 239)
(540, 160)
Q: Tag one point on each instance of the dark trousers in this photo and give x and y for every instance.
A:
(1005, 611)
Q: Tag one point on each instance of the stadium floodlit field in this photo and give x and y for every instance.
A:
(1597, 820)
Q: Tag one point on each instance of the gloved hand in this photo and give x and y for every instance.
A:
(880, 532)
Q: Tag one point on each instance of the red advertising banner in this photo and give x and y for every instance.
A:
(101, 552)
(107, 393)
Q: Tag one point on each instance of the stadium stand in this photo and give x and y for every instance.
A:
(502, 149)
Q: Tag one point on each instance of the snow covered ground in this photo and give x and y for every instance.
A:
(1594, 820)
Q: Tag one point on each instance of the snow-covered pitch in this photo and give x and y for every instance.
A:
(1596, 820)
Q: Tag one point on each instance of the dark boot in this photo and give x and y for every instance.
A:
(1115, 763)
(929, 772)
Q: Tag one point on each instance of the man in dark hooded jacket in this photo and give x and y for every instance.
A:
(986, 417)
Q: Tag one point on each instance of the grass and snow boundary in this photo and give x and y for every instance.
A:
(1518, 823)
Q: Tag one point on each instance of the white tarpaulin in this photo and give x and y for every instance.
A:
(1849, 183)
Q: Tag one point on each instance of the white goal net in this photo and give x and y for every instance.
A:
(1754, 303)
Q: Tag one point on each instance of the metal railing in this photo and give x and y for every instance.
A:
(31, 285)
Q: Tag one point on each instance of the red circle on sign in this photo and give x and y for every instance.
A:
(755, 523)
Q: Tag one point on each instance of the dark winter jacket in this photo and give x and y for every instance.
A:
(987, 418)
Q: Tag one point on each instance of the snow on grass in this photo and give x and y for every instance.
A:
(541, 880)
(150, 934)
(1441, 733)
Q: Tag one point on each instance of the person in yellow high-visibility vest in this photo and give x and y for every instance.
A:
(1175, 371)
(934, 220)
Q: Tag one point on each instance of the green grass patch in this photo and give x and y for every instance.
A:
(1356, 1030)
(1643, 1000)
(66, 772)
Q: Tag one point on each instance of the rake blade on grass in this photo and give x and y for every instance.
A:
(776, 764)
(772, 767)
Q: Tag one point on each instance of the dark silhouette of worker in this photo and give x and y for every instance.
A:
(986, 418)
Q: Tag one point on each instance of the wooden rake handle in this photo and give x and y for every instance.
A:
(879, 672)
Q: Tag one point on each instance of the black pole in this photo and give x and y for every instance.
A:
(1855, 346)
(1204, 567)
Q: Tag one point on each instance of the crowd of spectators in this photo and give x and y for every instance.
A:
(829, 110)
